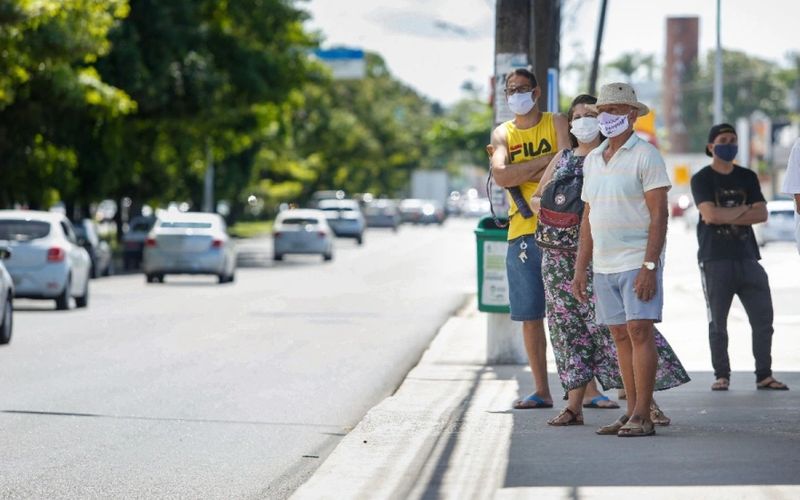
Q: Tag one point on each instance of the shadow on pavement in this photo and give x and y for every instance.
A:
(740, 437)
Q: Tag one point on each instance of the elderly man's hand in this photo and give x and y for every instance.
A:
(645, 285)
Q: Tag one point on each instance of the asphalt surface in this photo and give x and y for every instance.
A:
(190, 389)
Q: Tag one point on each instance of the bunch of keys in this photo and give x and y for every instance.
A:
(523, 255)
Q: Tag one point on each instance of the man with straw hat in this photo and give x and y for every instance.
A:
(623, 235)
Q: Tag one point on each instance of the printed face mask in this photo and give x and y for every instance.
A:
(521, 103)
(726, 152)
(585, 129)
(612, 125)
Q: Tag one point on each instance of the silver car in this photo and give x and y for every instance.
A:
(46, 261)
(302, 231)
(6, 299)
(779, 225)
(345, 218)
(189, 243)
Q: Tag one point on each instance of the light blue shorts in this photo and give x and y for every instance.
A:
(617, 303)
(525, 285)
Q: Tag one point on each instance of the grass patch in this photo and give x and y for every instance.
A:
(250, 229)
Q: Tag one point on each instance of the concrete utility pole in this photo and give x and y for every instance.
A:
(526, 34)
(718, 117)
(596, 59)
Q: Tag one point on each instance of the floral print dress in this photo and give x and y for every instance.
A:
(583, 349)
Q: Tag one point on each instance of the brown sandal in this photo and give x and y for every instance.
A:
(613, 428)
(721, 384)
(637, 429)
(572, 418)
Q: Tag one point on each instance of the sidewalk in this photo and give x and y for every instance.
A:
(448, 431)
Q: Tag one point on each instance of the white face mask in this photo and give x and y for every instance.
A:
(521, 103)
(612, 125)
(585, 129)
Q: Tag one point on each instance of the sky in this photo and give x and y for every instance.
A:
(436, 45)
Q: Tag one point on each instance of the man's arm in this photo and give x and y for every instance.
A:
(645, 284)
(580, 279)
(509, 175)
(712, 214)
(755, 214)
(562, 131)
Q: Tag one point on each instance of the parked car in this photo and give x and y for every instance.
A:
(345, 218)
(779, 225)
(99, 250)
(382, 213)
(189, 243)
(6, 299)
(331, 194)
(46, 260)
(418, 211)
(133, 240)
(302, 231)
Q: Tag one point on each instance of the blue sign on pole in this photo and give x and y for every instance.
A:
(345, 63)
(552, 90)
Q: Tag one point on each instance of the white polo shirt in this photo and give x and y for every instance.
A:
(618, 213)
(791, 184)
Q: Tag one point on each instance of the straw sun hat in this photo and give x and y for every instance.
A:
(620, 93)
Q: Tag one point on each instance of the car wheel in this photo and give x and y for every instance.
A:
(155, 278)
(360, 240)
(94, 273)
(222, 278)
(277, 256)
(62, 301)
(83, 300)
(109, 270)
(7, 323)
(327, 256)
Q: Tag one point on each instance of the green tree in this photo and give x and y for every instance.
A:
(51, 93)
(749, 84)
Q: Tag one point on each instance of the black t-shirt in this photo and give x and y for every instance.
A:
(726, 241)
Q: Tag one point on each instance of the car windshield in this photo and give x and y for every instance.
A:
(23, 230)
(782, 213)
(185, 225)
(299, 221)
(80, 231)
(338, 209)
(141, 226)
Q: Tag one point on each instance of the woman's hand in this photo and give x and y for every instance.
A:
(580, 286)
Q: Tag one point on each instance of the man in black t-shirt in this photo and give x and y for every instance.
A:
(730, 201)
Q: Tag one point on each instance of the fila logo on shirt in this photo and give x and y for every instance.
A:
(527, 149)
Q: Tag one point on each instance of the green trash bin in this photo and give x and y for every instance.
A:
(492, 277)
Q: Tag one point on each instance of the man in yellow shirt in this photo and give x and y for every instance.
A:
(523, 147)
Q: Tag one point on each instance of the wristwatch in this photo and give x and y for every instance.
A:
(650, 266)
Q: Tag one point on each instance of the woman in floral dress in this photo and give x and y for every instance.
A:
(583, 349)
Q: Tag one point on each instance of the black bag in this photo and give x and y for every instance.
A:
(561, 211)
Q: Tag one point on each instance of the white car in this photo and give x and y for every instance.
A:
(779, 225)
(6, 299)
(345, 218)
(46, 261)
(302, 231)
(189, 243)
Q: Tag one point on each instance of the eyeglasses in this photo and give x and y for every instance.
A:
(514, 90)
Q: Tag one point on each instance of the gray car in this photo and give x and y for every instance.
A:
(189, 243)
(779, 225)
(302, 231)
(6, 299)
(99, 250)
(345, 218)
(46, 260)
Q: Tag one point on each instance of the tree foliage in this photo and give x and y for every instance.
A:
(133, 98)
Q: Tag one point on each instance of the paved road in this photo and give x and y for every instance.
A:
(196, 390)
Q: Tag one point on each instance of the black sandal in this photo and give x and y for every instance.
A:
(772, 385)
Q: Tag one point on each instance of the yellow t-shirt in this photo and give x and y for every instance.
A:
(523, 145)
